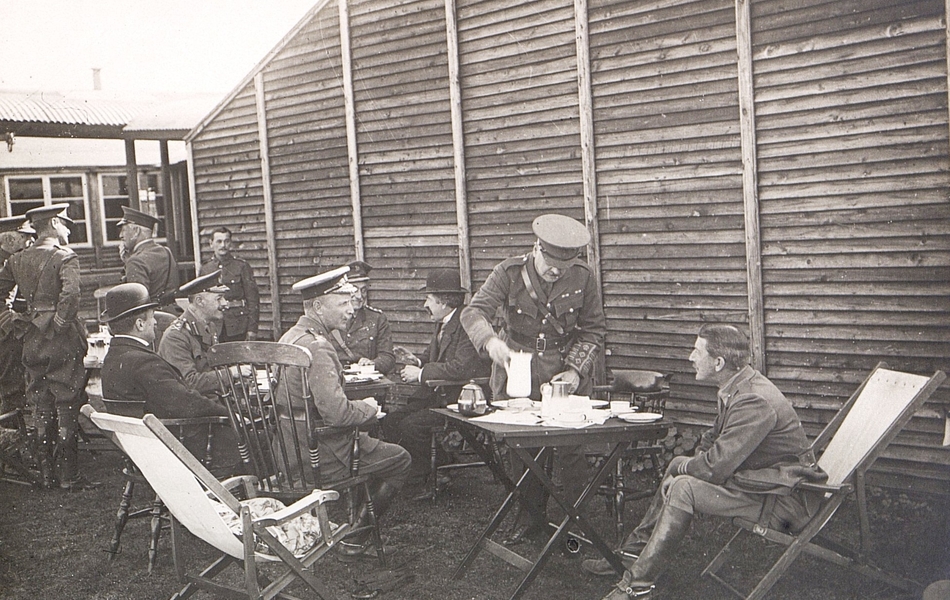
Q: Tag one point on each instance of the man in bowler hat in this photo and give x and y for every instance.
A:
(146, 261)
(54, 342)
(552, 308)
(450, 356)
(368, 339)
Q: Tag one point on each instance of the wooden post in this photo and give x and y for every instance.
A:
(458, 145)
(750, 185)
(193, 203)
(171, 234)
(132, 175)
(352, 149)
(588, 160)
(268, 204)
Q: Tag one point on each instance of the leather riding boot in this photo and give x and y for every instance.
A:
(383, 495)
(638, 581)
(633, 544)
(45, 442)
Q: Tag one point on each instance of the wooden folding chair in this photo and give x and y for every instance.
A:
(851, 443)
(280, 443)
(197, 500)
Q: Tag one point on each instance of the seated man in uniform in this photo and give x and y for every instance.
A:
(328, 307)
(132, 371)
(186, 341)
(756, 432)
(451, 356)
(368, 338)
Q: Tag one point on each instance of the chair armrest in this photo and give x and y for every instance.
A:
(825, 488)
(248, 481)
(296, 509)
(195, 421)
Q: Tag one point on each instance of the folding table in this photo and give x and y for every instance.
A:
(532, 444)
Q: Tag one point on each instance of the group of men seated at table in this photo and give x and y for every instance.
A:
(550, 307)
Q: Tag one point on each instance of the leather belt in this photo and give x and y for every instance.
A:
(237, 303)
(541, 343)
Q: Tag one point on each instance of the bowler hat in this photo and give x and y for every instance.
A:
(561, 237)
(126, 299)
(48, 212)
(359, 271)
(203, 283)
(130, 215)
(444, 281)
(18, 224)
(331, 282)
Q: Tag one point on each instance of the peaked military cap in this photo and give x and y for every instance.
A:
(130, 215)
(18, 224)
(561, 237)
(124, 300)
(444, 281)
(48, 212)
(359, 271)
(331, 282)
(203, 283)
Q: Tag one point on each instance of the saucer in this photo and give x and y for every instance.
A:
(639, 417)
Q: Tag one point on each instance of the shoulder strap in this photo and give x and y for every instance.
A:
(534, 296)
(339, 340)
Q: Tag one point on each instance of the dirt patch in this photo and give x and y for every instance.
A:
(52, 545)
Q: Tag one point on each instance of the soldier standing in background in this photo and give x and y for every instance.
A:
(146, 261)
(54, 342)
(15, 235)
(368, 339)
(243, 311)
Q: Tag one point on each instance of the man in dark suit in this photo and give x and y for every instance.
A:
(450, 356)
(146, 261)
(132, 371)
(54, 341)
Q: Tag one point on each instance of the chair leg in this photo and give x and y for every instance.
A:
(121, 518)
(619, 498)
(433, 466)
(156, 531)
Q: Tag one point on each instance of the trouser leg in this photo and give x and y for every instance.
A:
(67, 445)
(44, 419)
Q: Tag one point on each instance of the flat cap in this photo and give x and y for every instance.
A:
(48, 212)
(561, 237)
(130, 215)
(359, 271)
(203, 283)
(124, 300)
(444, 281)
(331, 282)
(18, 224)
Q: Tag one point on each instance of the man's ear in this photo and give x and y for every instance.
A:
(720, 363)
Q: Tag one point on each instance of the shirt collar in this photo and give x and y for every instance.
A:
(448, 317)
(132, 337)
(730, 387)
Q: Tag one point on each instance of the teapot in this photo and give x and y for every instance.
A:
(519, 375)
(472, 400)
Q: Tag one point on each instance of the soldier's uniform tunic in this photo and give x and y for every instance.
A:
(12, 374)
(368, 335)
(243, 312)
(185, 344)
(152, 265)
(54, 345)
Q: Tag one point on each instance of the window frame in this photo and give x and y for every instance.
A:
(48, 200)
(102, 202)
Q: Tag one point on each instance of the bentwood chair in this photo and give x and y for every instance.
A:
(246, 532)
(848, 446)
(279, 439)
(155, 510)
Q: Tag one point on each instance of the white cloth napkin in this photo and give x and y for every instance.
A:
(508, 417)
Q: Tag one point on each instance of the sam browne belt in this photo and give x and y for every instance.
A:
(542, 343)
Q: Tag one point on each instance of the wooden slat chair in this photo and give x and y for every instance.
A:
(155, 509)
(851, 443)
(648, 392)
(198, 501)
(285, 458)
(16, 450)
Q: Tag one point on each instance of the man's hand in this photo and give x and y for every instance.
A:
(365, 362)
(571, 377)
(405, 357)
(411, 374)
(499, 351)
(372, 402)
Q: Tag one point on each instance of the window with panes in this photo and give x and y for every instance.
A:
(114, 191)
(28, 192)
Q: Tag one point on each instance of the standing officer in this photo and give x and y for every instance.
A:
(368, 339)
(15, 235)
(243, 311)
(54, 341)
(552, 309)
(146, 261)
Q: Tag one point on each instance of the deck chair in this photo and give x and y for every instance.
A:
(154, 510)
(848, 446)
(648, 392)
(285, 458)
(201, 503)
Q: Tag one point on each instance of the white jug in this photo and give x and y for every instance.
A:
(519, 375)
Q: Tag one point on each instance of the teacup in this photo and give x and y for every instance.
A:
(619, 407)
(572, 417)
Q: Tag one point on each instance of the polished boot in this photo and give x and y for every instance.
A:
(67, 463)
(638, 581)
(633, 544)
(524, 528)
(45, 441)
(360, 543)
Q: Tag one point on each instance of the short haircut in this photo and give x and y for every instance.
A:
(728, 342)
(127, 324)
(450, 299)
(221, 229)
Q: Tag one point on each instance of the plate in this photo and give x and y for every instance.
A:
(599, 404)
(517, 404)
(453, 407)
(640, 417)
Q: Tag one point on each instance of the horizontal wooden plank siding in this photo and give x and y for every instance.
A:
(518, 71)
(851, 105)
(404, 134)
(669, 174)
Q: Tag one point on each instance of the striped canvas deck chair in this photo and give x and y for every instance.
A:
(847, 448)
(210, 511)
